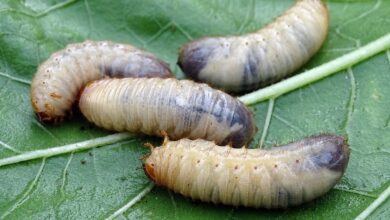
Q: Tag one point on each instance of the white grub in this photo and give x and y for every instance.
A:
(60, 78)
(181, 108)
(250, 61)
(281, 177)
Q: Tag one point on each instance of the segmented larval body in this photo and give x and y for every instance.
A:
(181, 108)
(250, 61)
(277, 178)
(60, 78)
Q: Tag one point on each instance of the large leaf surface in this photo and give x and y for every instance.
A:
(95, 183)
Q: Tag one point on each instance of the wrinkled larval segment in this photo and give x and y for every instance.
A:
(60, 78)
(181, 108)
(281, 177)
(243, 63)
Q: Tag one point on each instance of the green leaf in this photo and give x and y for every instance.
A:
(100, 182)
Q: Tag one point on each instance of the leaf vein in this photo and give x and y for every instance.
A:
(249, 16)
(266, 123)
(43, 128)
(286, 122)
(27, 193)
(54, 151)
(357, 192)
(315, 92)
(160, 32)
(371, 208)
(12, 10)
(65, 174)
(183, 31)
(94, 165)
(90, 21)
(336, 50)
(135, 36)
(364, 14)
(351, 101)
(54, 8)
(8, 147)
(133, 201)
(24, 81)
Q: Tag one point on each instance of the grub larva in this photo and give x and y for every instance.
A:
(277, 178)
(247, 62)
(56, 84)
(181, 108)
